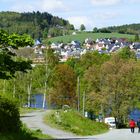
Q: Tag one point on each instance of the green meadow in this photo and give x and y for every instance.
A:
(82, 36)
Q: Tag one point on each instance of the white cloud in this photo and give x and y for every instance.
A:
(38, 5)
(51, 5)
(105, 2)
(78, 20)
(20, 8)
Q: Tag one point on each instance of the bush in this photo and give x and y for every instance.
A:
(9, 115)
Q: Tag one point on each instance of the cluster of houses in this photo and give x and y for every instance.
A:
(76, 49)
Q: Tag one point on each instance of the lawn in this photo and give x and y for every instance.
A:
(82, 36)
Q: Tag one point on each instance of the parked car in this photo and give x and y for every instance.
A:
(110, 121)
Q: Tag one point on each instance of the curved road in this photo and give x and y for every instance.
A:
(34, 121)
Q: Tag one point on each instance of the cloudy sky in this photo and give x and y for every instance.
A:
(91, 13)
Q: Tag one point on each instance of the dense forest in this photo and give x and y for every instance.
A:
(36, 24)
(123, 29)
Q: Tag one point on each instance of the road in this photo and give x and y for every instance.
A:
(34, 121)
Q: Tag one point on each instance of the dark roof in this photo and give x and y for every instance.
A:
(136, 45)
(110, 47)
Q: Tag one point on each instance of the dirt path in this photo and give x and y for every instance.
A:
(34, 121)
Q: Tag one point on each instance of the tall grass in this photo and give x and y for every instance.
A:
(76, 123)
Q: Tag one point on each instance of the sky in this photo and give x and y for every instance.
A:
(91, 13)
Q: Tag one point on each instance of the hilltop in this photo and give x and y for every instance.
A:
(36, 24)
(123, 29)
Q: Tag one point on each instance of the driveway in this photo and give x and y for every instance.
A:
(34, 121)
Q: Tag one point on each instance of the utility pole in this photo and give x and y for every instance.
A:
(78, 82)
(84, 103)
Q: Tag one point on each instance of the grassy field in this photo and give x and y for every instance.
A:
(82, 36)
(76, 123)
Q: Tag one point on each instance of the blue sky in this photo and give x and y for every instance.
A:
(91, 13)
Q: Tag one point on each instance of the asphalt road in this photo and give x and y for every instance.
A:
(34, 121)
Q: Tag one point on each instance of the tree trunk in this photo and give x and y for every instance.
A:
(29, 94)
(44, 101)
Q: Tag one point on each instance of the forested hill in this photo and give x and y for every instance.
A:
(126, 29)
(36, 24)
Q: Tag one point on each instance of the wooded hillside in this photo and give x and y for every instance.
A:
(36, 24)
(126, 29)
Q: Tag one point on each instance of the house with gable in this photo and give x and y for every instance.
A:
(136, 46)
(89, 43)
(75, 44)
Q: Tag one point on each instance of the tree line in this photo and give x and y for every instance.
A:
(123, 29)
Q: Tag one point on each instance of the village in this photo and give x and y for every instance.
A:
(76, 49)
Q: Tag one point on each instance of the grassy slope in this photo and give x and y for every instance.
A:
(82, 36)
(74, 122)
(24, 134)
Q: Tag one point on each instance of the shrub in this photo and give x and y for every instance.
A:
(9, 115)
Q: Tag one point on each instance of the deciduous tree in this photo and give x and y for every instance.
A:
(63, 86)
(113, 88)
(119, 79)
(8, 63)
(82, 27)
